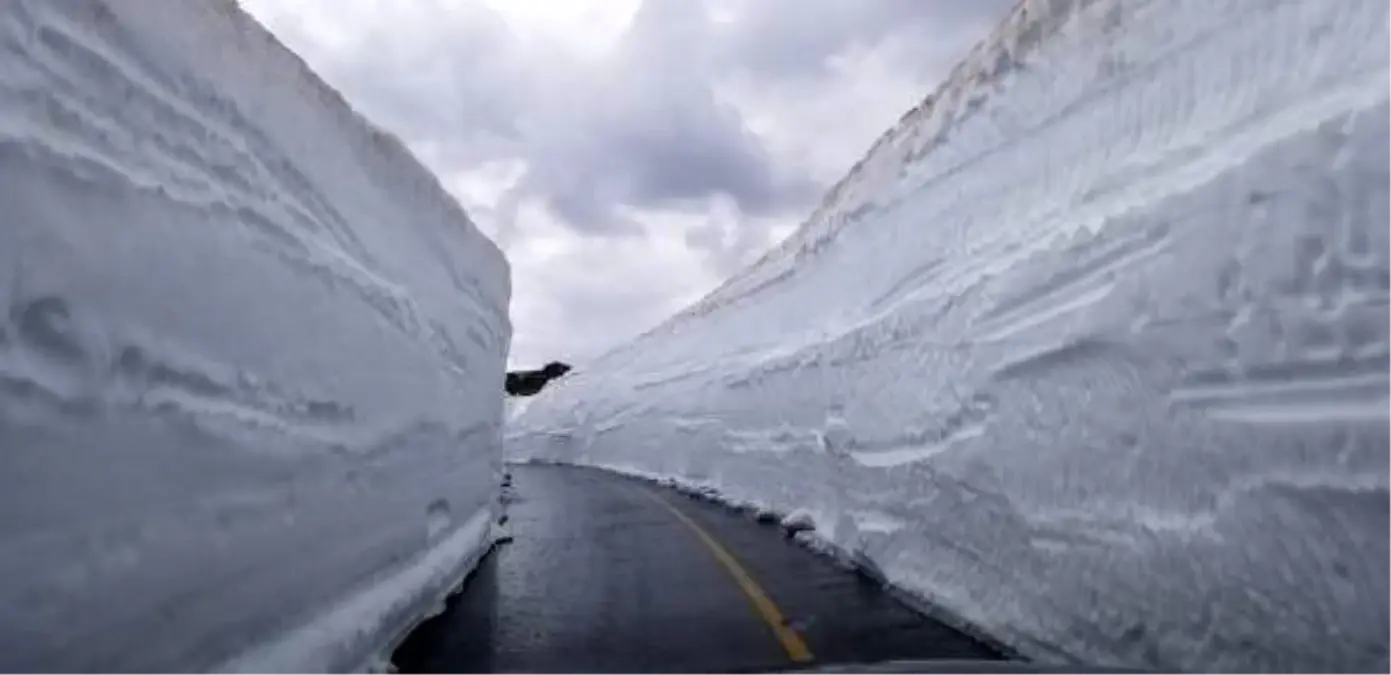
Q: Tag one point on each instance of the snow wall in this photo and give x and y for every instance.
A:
(251, 353)
(1089, 350)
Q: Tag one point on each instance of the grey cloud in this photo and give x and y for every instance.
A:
(651, 133)
(644, 129)
(795, 38)
(657, 160)
(727, 238)
(701, 150)
(580, 317)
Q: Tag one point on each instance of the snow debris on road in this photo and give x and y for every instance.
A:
(800, 520)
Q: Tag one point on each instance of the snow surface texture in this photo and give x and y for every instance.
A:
(251, 353)
(1090, 350)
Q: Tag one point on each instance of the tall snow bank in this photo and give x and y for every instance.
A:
(1091, 350)
(251, 353)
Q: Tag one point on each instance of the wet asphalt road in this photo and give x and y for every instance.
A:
(611, 574)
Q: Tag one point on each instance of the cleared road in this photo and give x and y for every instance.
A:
(611, 574)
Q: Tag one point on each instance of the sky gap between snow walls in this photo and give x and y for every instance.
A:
(251, 354)
(1090, 350)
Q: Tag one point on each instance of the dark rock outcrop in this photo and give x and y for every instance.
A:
(530, 382)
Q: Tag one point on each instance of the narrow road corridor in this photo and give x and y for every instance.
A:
(612, 574)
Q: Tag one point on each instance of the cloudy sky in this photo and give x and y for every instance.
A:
(630, 154)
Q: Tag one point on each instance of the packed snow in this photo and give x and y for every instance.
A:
(1090, 350)
(251, 354)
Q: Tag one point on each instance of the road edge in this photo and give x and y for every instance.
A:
(809, 540)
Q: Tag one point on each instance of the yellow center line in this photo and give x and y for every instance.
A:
(792, 643)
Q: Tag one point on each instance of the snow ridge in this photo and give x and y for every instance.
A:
(1091, 350)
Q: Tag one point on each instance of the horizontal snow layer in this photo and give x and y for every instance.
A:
(1092, 352)
(251, 353)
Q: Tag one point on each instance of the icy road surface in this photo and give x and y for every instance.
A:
(1091, 349)
(250, 353)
